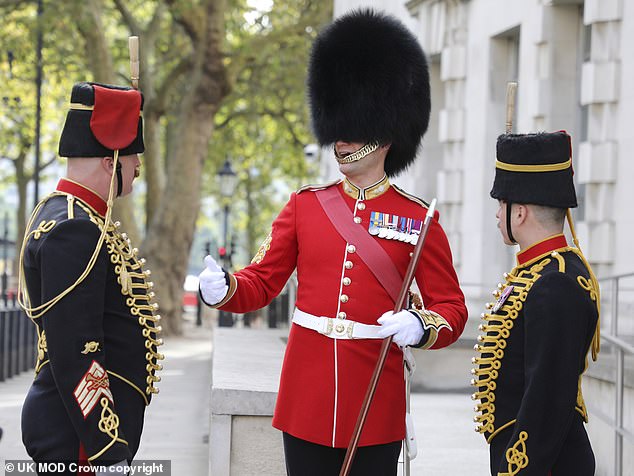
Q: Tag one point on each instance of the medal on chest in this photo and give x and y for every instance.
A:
(393, 227)
(502, 299)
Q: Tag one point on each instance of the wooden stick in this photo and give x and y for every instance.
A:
(387, 342)
(511, 89)
(133, 46)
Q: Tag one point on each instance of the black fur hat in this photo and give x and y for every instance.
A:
(102, 117)
(535, 169)
(368, 81)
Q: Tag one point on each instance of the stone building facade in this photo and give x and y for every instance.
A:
(573, 63)
(570, 60)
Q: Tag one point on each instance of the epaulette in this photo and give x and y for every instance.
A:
(315, 187)
(413, 198)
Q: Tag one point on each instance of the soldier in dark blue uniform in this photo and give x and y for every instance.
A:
(86, 291)
(537, 336)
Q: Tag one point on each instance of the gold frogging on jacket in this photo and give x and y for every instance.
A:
(134, 283)
(497, 329)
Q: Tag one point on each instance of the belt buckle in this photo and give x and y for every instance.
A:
(350, 329)
(344, 328)
(327, 327)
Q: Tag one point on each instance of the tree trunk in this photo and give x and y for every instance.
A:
(153, 167)
(101, 65)
(169, 238)
(22, 182)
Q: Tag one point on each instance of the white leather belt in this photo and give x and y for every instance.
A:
(336, 328)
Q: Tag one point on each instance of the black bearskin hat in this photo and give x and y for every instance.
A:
(535, 169)
(368, 81)
(102, 118)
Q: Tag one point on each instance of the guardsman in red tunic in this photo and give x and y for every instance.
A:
(545, 321)
(350, 242)
(86, 290)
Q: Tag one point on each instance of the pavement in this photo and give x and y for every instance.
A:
(177, 421)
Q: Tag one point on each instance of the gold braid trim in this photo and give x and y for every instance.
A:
(433, 322)
(123, 379)
(560, 261)
(516, 456)
(42, 349)
(108, 424)
(596, 339)
(581, 404)
(70, 206)
(23, 295)
(533, 167)
(496, 330)
(589, 286)
(134, 284)
(499, 429)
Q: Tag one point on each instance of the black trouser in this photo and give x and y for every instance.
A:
(304, 458)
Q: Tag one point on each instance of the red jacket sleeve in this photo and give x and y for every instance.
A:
(440, 290)
(256, 285)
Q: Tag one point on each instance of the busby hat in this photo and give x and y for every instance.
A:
(368, 82)
(535, 169)
(101, 119)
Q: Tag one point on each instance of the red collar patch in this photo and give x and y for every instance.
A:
(83, 193)
(541, 248)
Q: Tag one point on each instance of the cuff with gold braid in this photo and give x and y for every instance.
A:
(432, 323)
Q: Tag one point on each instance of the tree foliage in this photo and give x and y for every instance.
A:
(220, 79)
(18, 106)
(263, 124)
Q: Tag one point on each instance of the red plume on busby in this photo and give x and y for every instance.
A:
(368, 81)
(102, 118)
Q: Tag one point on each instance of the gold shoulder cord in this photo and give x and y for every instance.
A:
(23, 295)
(596, 339)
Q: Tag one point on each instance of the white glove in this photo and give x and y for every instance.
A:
(119, 469)
(211, 281)
(404, 326)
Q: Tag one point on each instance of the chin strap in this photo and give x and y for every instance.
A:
(119, 179)
(358, 155)
(509, 232)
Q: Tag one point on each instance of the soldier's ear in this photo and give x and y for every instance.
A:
(107, 163)
(521, 213)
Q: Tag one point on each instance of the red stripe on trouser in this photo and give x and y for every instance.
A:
(83, 462)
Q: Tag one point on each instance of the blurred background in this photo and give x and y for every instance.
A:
(228, 139)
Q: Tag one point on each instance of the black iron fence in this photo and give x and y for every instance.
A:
(18, 339)
(277, 311)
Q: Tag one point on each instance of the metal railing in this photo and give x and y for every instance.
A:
(618, 348)
(18, 340)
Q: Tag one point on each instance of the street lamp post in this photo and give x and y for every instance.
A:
(199, 304)
(5, 258)
(227, 179)
(38, 102)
